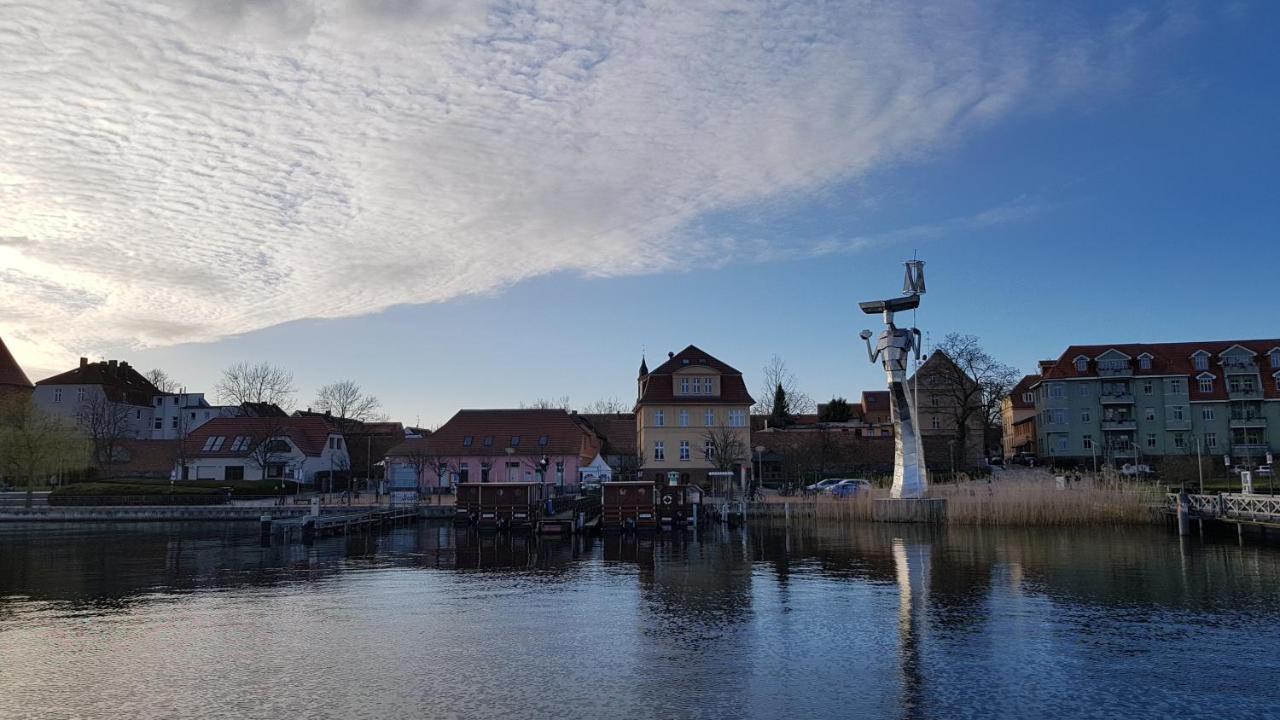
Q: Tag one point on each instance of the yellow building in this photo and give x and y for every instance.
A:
(692, 418)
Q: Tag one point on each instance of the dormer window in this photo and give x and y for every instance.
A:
(1202, 360)
(542, 441)
(1275, 358)
(1144, 362)
(1082, 364)
(515, 441)
(488, 441)
(467, 440)
(1206, 383)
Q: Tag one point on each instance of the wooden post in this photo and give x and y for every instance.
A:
(1184, 517)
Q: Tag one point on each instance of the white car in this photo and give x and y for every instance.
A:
(1131, 470)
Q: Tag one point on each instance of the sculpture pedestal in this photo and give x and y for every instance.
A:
(912, 510)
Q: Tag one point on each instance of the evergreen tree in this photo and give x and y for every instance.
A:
(780, 417)
(838, 410)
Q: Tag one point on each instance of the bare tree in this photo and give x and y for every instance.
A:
(606, 406)
(107, 423)
(35, 444)
(269, 443)
(162, 381)
(776, 374)
(548, 404)
(256, 383)
(970, 381)
(345, 401)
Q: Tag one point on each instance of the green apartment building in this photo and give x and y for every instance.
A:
(1141, 402)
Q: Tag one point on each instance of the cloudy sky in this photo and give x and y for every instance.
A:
(471, 204)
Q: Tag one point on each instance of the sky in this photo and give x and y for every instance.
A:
(479, 204)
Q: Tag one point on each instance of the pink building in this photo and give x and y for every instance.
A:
(495, 446)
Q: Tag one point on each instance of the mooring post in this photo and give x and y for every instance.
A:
(1184, 515)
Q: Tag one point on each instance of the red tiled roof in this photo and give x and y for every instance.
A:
(1171, 359)
(1022, 388)
(565, 434)
(616, 430)
(10, 371)
(308, 433)
(657, 386)
(119, 381)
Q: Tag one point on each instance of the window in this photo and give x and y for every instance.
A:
(1144, 362)
(1179, 412)
(933, 400)
(515, 441)
(1083, 389)
(1175, 386)
(464, 472)
(488, 441)
(240, 443)
(659, 451)
(484, 472)
(1113, 364)
(543, 441)
(57, 395)
(1275, 358)
(1179, 441)
(684, 386)
(513, 471)
(1211, 440)
(559, 472)
(217, 443)
(159, 424)
(81, 394)
(1057, 416)
(935, 422)
(467, 440)
(706, 386)
(1028, 397)
(173, 423)
(659, 419)
(684, 449)
(175, 399)
(1277, 379)
(158, 401)
(1206, 383)
(736, 418)
(1206, 413)
(1233, 383)
(137, 414)
(1062, 444)
(1149, 414)
(708, 450)
(1151, 440)
(1085, 417)
(1146, 387)
(1202, 361)
(709, 418)
(1056, 390)
(684, 418)
(1087, 442)
(1082, 364)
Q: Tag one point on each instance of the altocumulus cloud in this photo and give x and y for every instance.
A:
(188, 170)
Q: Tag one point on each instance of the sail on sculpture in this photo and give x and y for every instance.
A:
(894, 349)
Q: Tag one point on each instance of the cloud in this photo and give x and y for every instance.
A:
(192, 170)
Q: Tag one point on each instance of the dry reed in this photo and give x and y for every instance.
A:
(1026, 498)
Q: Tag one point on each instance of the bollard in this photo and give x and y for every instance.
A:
(1184, 514)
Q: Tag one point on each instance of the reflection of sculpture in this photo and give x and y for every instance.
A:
(911, 566)
(893, 349)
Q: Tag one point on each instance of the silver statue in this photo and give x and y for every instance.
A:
(893, 350)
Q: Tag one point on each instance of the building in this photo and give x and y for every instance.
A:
(1131, 402)
(945, 397)
(101, 397)
(617, 433)
(1018, 419)
(255, 448)
(13, 382)
(176, 415)
(685, 408)
(524, 445)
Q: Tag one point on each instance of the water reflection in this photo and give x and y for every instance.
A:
(871, 620)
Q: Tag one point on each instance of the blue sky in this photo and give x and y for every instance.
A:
(1098, 175)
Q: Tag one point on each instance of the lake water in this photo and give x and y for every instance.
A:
(874, 621)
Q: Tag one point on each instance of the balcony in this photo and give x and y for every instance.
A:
(1126, 371)
(1171, 424)
(1116, 398)
(1245, 450)
(1129, 424)
(1251, 392)
(1239, 365)
(1247, 420)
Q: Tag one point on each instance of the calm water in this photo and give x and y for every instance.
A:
(159, 621)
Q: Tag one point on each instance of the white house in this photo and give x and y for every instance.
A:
(254, 448)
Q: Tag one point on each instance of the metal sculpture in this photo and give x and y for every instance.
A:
(893, 350)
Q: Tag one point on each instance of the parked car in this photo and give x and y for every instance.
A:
(850, 487)
(822, 485)
(1131, 470)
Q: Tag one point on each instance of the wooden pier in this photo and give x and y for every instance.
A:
(309, 527)
(1240, 510)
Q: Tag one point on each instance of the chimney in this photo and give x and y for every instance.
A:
(124, 365)
(84, 362)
